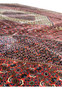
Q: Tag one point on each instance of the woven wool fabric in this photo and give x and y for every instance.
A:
(30, 46)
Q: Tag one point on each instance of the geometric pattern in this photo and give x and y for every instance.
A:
(24, 17)
(30, 47)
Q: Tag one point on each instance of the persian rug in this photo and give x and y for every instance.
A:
(30, 46)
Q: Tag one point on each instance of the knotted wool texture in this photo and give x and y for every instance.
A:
(30, 46)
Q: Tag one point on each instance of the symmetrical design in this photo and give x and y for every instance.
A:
(24, 17)
(30, 46)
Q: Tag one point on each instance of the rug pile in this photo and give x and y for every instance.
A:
(30, 46)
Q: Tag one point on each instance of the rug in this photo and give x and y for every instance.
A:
(30, 47)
